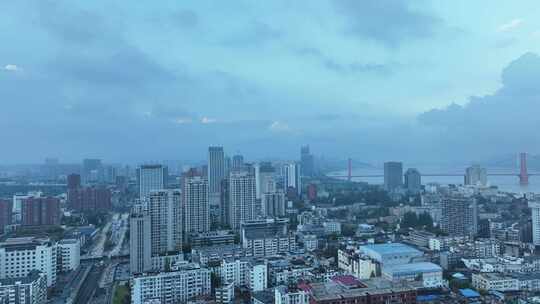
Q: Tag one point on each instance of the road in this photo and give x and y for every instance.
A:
(90, 285)
(122, 235)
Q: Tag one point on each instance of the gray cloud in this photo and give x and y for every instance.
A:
(388, 22)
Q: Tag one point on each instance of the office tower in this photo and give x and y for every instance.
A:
(6, 214)
(140, 252)
(196, 207)
(166, 221)
(307, 162)
(151, 178)
(242, 200)
(292, 178)
(216, 168)
(393, 176)
(413, 180)
(459, 215)
(265, 178)
(39, 254)
(273, 204)
(237, 162)
(91, 170)
(267, 237)
(177, 286)
(40, 211)
(476, 176)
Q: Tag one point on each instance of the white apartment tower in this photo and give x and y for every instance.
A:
(151, 178)
(165, 221)
(196, 204)
(535, 212)
(242, 198)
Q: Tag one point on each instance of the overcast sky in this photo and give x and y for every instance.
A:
(137, 80)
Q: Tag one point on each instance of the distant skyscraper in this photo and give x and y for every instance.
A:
(140, 250)
(151, 178)
(476, 176)
(73, 181)
(196, 207)
(274, 204)
(216, 168)
(292, 178)
(265, 177)
(413, 180)
(307, 162)
(459, 215)
(535, 215)
(393, 175)
(237, 162)
(91, 171)
(242, 197)
(166, 221)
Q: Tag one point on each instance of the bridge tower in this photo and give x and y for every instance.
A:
(523, 174)
(349, 172)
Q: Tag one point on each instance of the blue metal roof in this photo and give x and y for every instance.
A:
(469, 293)
(391, 248)
(420, 267)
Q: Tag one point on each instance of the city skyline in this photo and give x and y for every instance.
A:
(376, 90)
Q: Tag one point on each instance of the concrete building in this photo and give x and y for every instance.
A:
(92, 198)
(20, 256)
(292, 177)
(274, 204)
(413, 180)
(237, 162)
(177, 286)
(459, 215)
(196, 204)
(265, 178)
(242, 198)
(216, 168)
(212, 238)
(393, 176)
(430, 274)
(285, 295)
(40, 211)
(245, 272)
(91, 171)
(30, 289)
(69, 255)
(267, 237)
(140, 249)
(225, 293)
(494, 281)
(6, 214)
(165, 221)
(535, 215)
(151, 178)
(476, 176)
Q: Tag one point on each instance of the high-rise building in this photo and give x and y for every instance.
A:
(69, 254)
(216, 168)
(292, 177)
(273, 204)
(459, 215)
(39, 254)
(393, 176)
(6, 214)
(265, 178)
(166, 221)
(224, 204)
(40, 211)
(92, 198)
(91, 170)
(73, 181)
(476, 176)
(196, 207)
(413, 180)
(534, 204)
(151, 178)
(237, 162)
(307, 162)
(242, 197)
(140, 251)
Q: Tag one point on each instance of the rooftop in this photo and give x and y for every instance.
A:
(391, 248)
(413, 268)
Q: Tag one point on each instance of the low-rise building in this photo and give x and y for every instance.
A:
(494, 281)
(31, 289)
(428, 273)
(285, 295)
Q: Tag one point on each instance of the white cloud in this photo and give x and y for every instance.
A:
(278, 126)
(12, 68)
(206, 120)
(513, 24)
